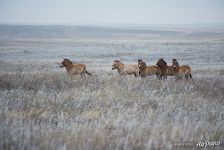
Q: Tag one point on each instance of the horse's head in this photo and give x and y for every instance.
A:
(65, 63)
(116, 64)
(141, 64)
(175, 63)
(161, 63)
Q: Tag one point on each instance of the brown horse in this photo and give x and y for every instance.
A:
(125, 69)
(146, 70)
(183, 70)
(165, 70)
(74, 69)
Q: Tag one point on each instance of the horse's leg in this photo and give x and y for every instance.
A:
(71, 77)
(82, 74)
(181, 77)
(157, 76)
(140, 74)
(135, 74)
(160, 77)
(178, 77)
(186, 76)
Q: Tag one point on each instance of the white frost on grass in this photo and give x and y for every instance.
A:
(108, 111)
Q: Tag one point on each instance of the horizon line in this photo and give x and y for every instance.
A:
(113, 24)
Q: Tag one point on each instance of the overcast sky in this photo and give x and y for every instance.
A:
(111, 11)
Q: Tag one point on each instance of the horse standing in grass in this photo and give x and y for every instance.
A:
(147, 70)
(125, 69)
(183, 70)
(165, 70)
(74, 69)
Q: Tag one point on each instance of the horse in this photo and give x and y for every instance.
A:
(147, 70)
(74, 69)
(165, 70)
(125, 69)
(183, 70)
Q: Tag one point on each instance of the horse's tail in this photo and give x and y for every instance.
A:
(190, 75)
(90, 74)
(189, 70)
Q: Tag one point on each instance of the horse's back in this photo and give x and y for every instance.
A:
(170, 70)
(185, 68)
(131, 68)
(79, 68)
(151, 69)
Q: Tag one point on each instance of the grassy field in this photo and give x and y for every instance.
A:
(41, 108)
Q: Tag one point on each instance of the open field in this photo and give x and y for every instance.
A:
(41, 108)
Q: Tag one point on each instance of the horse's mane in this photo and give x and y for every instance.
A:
(118, 61)
(68, 60)
(163, 61)
(175, 63)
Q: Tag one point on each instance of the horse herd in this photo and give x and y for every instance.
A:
(160, 69)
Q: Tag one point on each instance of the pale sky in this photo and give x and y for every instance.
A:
(111, 11)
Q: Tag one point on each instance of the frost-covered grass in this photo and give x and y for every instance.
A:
(46, 110)
(41, 108)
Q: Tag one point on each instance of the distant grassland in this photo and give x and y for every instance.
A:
(46, 110)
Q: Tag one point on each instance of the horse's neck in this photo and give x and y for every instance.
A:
(164, 69)
(120, 68)
(165, 66)
(143, 67)
(69, 67)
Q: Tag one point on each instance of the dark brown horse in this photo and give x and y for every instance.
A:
(165, 70)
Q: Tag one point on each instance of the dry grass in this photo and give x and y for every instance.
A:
(45, 110)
